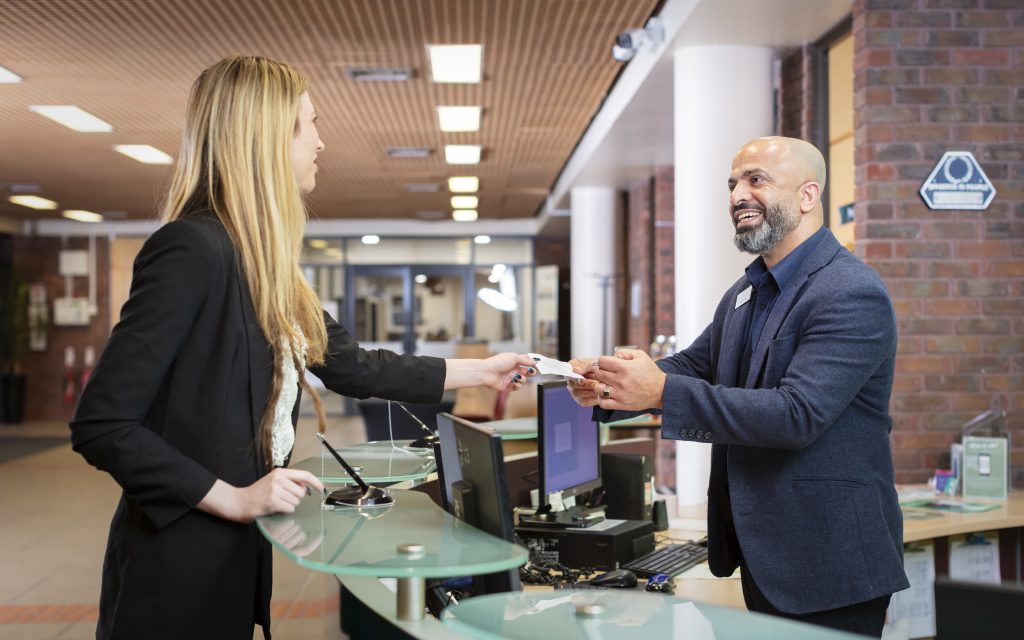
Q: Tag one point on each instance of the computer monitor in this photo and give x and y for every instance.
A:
(482, 466)
(447, 457)
(568, 444)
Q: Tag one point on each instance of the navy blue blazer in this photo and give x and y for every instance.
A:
(802, 451)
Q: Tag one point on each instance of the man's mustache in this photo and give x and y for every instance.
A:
(749, 206)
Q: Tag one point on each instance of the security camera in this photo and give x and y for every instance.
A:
(629, 42)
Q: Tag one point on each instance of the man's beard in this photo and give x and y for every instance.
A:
(775, 225)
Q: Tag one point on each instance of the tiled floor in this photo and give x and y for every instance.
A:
(56, 510)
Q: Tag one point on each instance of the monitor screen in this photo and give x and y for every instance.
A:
(482, 464)
(448, 470)
(568, 443)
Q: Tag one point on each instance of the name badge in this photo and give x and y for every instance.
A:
(743, 298)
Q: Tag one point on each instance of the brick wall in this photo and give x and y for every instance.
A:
(640, 263)
(664, 251)
(932, 76)
(36, 260)
(795, 107)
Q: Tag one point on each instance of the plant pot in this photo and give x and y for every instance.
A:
(12, 398)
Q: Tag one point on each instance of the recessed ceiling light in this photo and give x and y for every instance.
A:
(144, 153)
(409, 152)
(317, 243)
(454, 119)
(464, 215)
(72, 117)
(462, 153)
(482, 239)
(8, 77)
(34, 202)
(464, 184)
(455, 62)
(82, 216)
(465, 202)
(421, 278)
(371, 239)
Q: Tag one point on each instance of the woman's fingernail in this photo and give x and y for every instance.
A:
(531, 370)
(537, 359)
(517, 377)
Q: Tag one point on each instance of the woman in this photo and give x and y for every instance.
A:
(192, 406)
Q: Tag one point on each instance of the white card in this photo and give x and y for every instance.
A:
(554, 367)
(744, 297)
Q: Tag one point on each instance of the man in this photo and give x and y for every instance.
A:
(790, 383)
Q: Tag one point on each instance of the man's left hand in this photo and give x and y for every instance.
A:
(629, 381)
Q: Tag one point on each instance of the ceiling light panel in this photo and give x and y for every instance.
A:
(144, 153)
(34, 202)
(82, 216)
(72, 117)
(455, 63)
(464, 215)
(465, 202)
(464, 184)
(8, 77)
(462, 153)
(456, 119)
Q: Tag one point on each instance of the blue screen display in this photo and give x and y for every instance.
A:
(570, 441)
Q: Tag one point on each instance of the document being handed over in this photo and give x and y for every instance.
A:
(551, 366)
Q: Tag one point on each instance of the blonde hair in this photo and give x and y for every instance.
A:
(236, 159)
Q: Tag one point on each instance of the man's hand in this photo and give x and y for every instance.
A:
(629, 381)
(584, 392)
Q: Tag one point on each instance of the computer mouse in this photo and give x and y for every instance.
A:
(426, 442)
(616, 579)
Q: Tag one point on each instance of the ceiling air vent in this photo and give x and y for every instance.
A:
(409, 152)
(421, 187)
(379, 74)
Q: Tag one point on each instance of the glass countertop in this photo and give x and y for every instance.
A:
(514, 428)
(625, 614)
(375, 462)
(364, 541)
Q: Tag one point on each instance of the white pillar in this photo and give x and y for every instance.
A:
(593, 257)
(723, 98)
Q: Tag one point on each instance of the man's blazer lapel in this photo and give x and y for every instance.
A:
(732, 340)
(821, 256)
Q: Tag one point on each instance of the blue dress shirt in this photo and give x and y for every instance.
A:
(767, 284)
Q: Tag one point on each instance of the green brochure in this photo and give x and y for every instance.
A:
(985, 467)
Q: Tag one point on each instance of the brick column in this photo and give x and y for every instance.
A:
(932, 76)
(639, 264)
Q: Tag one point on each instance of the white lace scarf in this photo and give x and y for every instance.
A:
(283, 433)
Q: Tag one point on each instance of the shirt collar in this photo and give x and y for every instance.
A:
(790, 265)
(784, 271)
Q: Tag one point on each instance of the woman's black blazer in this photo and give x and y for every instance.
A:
(173, 404)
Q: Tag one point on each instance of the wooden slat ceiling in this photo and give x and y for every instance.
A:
(547, 67)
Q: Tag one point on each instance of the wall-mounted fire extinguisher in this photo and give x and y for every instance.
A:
(69, 376)
(88, 359)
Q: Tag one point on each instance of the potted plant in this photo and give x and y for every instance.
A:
(13, 343)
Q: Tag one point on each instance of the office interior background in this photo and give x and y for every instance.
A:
(555, 200)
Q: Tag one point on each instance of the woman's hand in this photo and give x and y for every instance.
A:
(280, 491)
(505, 370)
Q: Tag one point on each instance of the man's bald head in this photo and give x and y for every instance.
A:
(798, 158)
(775, 194)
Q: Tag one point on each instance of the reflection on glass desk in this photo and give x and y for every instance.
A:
(375, 462)
(514, 428)
(629, 614)
(364, 542)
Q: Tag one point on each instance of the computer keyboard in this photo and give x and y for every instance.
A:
(671, 559)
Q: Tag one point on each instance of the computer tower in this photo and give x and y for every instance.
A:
(626, 478)
(603, 546)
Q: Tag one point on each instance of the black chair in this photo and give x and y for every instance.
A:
(974, 611)
(375, 418)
